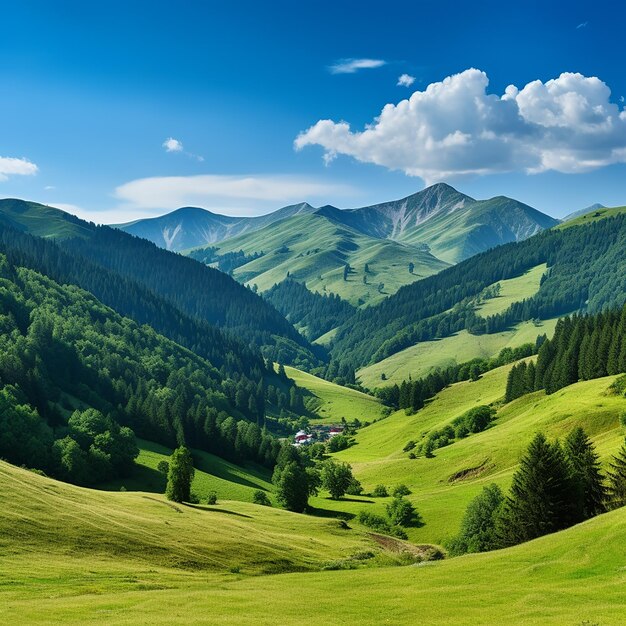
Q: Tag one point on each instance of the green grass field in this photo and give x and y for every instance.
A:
(229, 481)
(75, 556)
(314, 250)
(332, 402)
(423, 357)
(513, 290)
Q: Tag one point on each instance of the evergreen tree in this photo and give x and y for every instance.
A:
(543, 495)
(585, 467)
(180, 475)
(616, 496)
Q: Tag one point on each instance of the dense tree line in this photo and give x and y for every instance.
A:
(61, 350)
(557, 485)
(226, 262)
(412, 394)
(232, 356)
(585, 273)
(315, 313)
(583, 347)
(197, 290)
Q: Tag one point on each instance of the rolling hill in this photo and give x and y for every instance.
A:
(314, 249)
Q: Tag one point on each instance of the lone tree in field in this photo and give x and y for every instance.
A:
(411, 267)
(543, 495)
(336, 478)
(180, 475)
(585, 468)
(616, 496)
(402, 512)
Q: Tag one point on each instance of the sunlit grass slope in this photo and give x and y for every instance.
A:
(229, 481)
(593, 216)
(40, 220)
(42, 516)
(513, 290)
(72, 559)
(443, 486)
(331, 402)
(314, 250)
(423, 357)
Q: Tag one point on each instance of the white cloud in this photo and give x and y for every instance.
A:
(582, 25)
(236, 194)
(172, 145)
(10, 166)
(455, 127)
(350, 66)
(405, 80)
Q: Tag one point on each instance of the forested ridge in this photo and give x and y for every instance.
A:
(77, 380)
(583, 347)
(314, 312)
(587, 270)
(191, 288)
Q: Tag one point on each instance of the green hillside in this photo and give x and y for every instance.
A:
(593, 216)
(423, 357)
(42, 220)
(213, 473)
(331, 402)
(490, 456)
(463, 346)
(477, 226)
(134, 559)
(314, 249)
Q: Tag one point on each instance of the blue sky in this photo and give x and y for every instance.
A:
(92, 91)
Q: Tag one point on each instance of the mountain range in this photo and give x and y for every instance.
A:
(383, 246)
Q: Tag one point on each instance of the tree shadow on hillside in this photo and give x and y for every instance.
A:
(213, 509)
(318, 512)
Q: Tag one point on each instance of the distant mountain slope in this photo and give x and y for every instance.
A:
(41, 220)
(586, 270)
(592, 216)
(316, 248)
(453, 225)
(475, 227)
(190, 227)
(589, 209)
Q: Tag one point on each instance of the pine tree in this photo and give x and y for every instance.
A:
(616, 496)
(542, 498)
(585, 467)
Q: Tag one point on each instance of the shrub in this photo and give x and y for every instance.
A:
(260, 497)
(380, 524)
(163, 467)
(380, 491)
(401, 512)
(211, 498)
(409, 446)
(401, 490)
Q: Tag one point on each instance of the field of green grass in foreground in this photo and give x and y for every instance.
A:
(76, 556)
(423, 357)
(331, 402)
